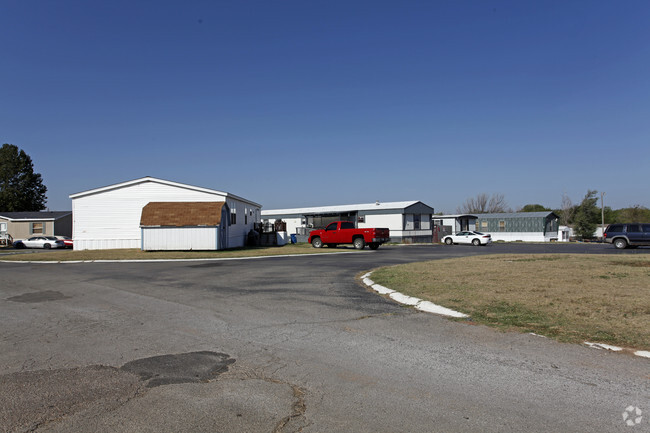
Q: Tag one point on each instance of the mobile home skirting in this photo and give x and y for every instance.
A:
(180, 238)
(524, 236)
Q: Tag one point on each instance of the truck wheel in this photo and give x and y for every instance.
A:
(316, 243)
(620, 243)
(373, 246)
(359, 243)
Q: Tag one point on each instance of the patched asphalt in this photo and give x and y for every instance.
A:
(180, 368)
(32, 399)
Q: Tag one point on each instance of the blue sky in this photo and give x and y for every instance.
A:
(308, 103)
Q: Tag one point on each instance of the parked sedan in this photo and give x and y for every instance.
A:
(468, 237)
(66, 240)
(46, 242)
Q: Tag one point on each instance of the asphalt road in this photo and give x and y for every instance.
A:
(287, 344)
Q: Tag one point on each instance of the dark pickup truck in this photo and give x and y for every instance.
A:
(344, 232)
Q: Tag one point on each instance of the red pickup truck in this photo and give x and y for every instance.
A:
(344, 232)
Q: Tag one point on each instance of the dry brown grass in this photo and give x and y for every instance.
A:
(598, 298)
(135, 254)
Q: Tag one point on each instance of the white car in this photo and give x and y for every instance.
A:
(467, 237)
(46, 242)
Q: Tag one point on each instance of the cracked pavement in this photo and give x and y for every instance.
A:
(285, 345)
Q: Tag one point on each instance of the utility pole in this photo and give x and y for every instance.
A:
(602, 213)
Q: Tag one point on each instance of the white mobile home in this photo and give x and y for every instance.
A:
(109, 217)
(408, 221)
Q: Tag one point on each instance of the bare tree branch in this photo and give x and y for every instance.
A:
(567, 210)
(483, 203)
(497, 204)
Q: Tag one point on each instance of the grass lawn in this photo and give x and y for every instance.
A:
(572, 298)
(135, 254)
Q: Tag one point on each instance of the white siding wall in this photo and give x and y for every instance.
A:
(449, 222)
(390, 221)
(519, 236)
(111, 219)
(415, 233)
(179, 238)
(393, 222)
(292, 224)
(247, 215)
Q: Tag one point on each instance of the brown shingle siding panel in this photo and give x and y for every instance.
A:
(181, 214)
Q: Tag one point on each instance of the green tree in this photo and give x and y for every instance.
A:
(534, 208)
(21, 190)
(634, 214)
(587, 216)
(610, 215)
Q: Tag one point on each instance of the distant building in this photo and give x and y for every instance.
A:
(564, 233)
(451, 224)
(20, 225)
(519, 226)
(408, 221)
(513, 226)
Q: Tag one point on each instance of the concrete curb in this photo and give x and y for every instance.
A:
(641, 353)
(419, 304)
(430, 307)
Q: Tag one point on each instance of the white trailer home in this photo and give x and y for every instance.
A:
(109, 217)
(408, 221)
